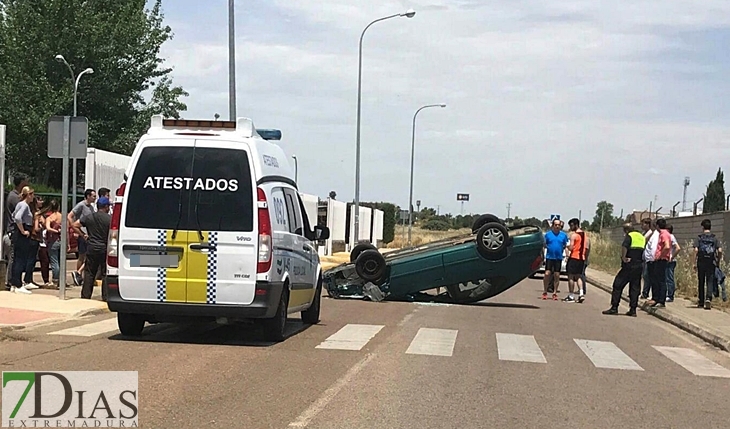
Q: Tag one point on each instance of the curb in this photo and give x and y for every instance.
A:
(44, 322)
(692, 328)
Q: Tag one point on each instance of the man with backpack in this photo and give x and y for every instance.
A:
(707, 253)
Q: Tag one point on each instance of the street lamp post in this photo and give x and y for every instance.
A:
(296, 169)
(413, 151)
(231, 61)
(408, 14)
(76, 80)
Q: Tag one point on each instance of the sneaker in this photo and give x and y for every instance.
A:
(544, 295)
(78, 279)
(708, 305)
(581, 299)
(611, 310)
(569, 298)
(30, 286)
(631, 313)
(555, 297)
(22, 290)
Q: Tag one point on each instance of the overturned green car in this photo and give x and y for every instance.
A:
(471, 268)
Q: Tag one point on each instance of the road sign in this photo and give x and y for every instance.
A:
(554, 216)
(462, 197)
(78, 137)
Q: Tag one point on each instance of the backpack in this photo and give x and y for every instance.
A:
(706, 246)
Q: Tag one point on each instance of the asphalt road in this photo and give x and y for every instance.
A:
(514, 362)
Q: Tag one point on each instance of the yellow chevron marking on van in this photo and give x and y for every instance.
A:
(197, 270)
(177, 278)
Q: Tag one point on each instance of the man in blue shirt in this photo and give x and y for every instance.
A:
(555, 242)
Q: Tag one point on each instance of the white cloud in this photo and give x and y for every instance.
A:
(552, 106)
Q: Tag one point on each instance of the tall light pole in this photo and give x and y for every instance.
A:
(231, 61)
(413, 151)
(408, 14)
(296, 169)
(76, 80)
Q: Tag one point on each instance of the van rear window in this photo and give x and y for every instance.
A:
(191, 189)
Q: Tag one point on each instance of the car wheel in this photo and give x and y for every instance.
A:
(483, 220)
(310, 316)
(492, 240)
(274, 328)
(370, 265)
(357, 250)
(130, 324)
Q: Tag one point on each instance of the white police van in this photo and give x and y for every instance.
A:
(209, 225)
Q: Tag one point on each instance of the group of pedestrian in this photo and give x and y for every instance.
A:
(33, 234)
(559, 246)
(651, 256)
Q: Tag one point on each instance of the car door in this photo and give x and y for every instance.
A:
(303, 251)
(222, 243)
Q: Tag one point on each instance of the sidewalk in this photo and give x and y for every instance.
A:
(43, 306)
(712, 326)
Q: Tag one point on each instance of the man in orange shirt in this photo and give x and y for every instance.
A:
(577, 259)
(658, 271)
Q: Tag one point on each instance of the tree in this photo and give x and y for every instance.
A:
(715, 195)
(604, 216)
(119, 40)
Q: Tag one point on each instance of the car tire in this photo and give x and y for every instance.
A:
(370, 265)
(483, 220)
(357, 250)
(130, 325)
(492, 240)
(275, 327)
(310, 316)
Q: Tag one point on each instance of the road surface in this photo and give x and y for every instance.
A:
(514, 362)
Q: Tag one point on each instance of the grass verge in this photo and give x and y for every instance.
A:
(422, 236)
(605, 256)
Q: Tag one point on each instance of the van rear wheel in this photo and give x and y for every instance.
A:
(274, 327)
(130, 324)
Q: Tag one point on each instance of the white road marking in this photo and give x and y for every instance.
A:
(433, 342)
(310, 413)
(90, 329)
(519, 348)
(351, 337)
(605, 354)
(694, 362)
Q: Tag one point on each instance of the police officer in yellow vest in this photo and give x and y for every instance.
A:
(632, 249)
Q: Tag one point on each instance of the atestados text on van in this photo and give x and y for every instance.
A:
(177, 183)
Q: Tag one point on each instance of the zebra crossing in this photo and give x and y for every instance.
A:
(524, 348)
(441, 343)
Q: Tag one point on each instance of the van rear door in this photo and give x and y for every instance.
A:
(152, 256)
(223, 246)
(189, 214)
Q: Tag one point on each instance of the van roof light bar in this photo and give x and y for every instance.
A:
(243, 126)
(269, 134)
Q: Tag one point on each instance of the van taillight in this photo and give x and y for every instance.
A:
(265, 240)
(112, 258)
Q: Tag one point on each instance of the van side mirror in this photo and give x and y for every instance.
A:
(321, 232)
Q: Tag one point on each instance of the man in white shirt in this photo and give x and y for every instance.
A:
(652, 241)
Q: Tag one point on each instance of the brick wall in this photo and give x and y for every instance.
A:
(685, 228)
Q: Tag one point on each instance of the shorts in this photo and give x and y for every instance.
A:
(575, 266)
(83, 248)
(553, 265)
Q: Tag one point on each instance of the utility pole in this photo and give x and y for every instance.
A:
(509, 207)
(231, 61)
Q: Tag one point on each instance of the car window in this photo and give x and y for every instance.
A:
(295, 213)
(188, 188)
(280, 215)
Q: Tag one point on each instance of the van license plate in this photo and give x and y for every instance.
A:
(153, 261)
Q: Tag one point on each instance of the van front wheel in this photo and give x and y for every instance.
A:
(130, 324)
(274, 327)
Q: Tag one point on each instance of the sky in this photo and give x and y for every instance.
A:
(552, 105)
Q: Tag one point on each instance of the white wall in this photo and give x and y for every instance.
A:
(311, 206)
(105, 169)
(378, 226)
